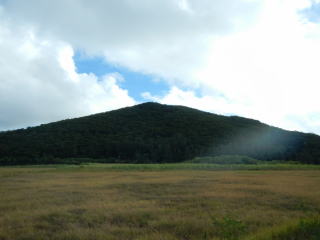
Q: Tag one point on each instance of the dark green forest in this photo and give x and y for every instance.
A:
(154, 133)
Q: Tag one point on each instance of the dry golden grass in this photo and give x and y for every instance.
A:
(85, 203)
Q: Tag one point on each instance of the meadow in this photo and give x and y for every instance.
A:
(160, 201)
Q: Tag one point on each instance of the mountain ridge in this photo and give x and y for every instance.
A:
(153, 132)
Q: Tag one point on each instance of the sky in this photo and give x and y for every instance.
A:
(70, 58)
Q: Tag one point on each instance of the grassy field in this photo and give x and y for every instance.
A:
(160, 202)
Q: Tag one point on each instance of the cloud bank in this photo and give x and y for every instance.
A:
(39, 84)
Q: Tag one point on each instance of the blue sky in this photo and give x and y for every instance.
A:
(134, 82)
(313, 12)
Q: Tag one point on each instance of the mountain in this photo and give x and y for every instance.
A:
(151, 132)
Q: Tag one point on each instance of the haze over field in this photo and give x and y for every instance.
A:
(254, 58)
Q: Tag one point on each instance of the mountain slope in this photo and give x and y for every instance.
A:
(152, 132)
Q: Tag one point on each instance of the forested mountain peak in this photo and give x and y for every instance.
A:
(153, 132)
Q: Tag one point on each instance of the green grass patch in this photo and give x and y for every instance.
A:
(226, 159)
(303, 229)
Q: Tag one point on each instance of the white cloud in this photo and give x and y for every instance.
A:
(272, 68)
(38, 82)
(168, 37)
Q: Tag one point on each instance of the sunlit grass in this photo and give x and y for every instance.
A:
(165, 201)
